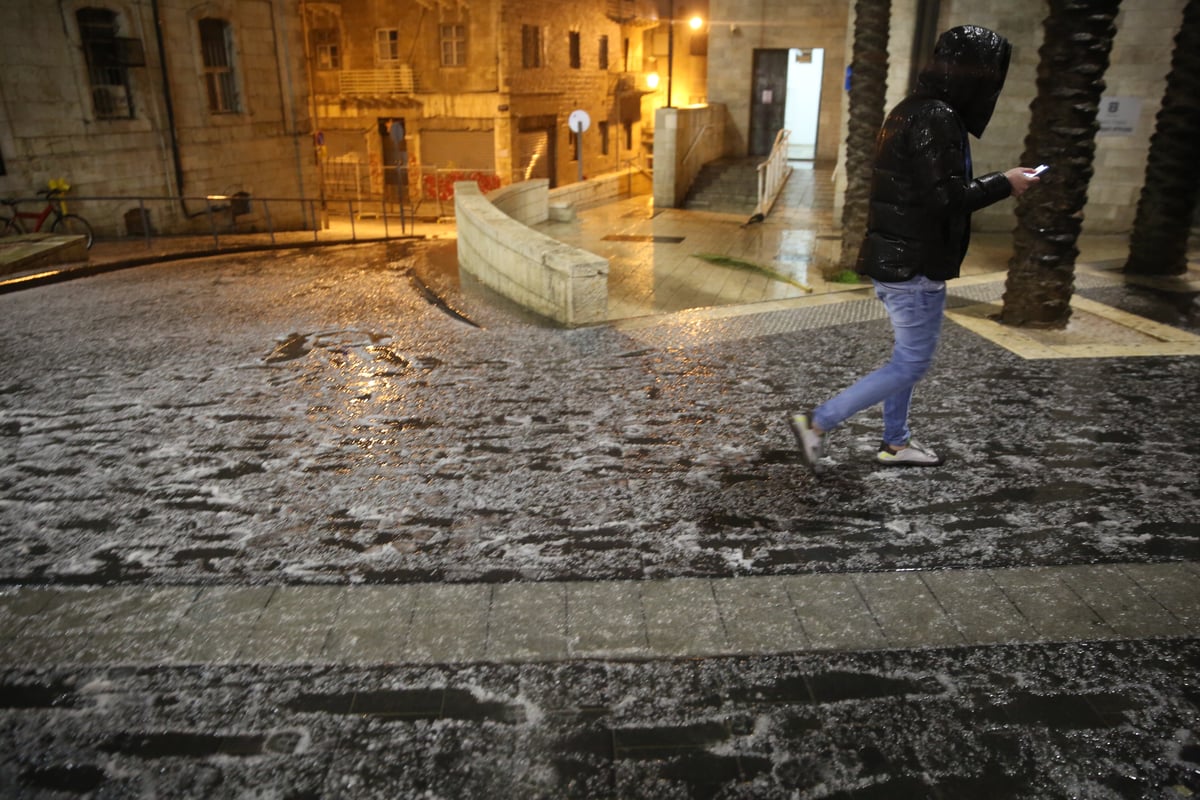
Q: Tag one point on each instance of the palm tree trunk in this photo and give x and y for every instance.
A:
(868, 93)
(1158, 244)
(1062, 133)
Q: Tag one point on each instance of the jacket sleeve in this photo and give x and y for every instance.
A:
(987, 189)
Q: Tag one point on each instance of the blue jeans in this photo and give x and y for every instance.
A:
(915, 308)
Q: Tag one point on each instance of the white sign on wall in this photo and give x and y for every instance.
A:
(1119, 116)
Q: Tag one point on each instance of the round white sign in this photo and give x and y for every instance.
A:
(579, 121)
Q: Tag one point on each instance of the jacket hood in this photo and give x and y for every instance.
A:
(967, 72)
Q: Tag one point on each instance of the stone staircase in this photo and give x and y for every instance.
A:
(729, 186)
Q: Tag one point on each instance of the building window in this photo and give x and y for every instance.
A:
(108, 60)
(216, 48)
(603, 51)
(326, 49)
(602, 129)
(576, 56)
(387, 46)
(531, 46)
(628, 135)
(454, 45)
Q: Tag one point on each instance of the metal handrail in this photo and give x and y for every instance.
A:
(695, 142)
(772, 174)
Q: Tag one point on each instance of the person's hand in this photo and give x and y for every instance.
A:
(1020, 179)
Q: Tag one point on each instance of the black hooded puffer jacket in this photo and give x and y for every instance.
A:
(922, 192)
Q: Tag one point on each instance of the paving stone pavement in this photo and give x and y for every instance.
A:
(195, 604)
(628, 620)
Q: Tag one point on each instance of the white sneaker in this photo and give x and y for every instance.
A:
(811, 443)
(912, 454)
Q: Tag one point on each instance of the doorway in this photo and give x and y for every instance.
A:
(786, 93)
(803, 111)
(537, 154)
(393, 138)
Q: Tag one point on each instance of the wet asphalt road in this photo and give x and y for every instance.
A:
(311, 418)
(1112, 720)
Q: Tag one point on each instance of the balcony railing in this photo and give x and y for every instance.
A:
(375, 82)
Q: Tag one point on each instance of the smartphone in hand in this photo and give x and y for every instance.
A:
(1040, 169)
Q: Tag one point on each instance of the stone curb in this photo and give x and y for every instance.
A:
(613, 620)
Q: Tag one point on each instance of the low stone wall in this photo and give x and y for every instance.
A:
(553, 279)
(601, 189)
(528, 202)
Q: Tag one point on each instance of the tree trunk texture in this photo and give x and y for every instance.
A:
(1158, 243)
(868, 93)
(1062, 133)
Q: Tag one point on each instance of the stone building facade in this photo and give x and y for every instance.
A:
(1135, 81)
(741, 31)
(155, 98)
(406, 94)
(327, 98)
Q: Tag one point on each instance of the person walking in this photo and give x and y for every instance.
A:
(918, 228)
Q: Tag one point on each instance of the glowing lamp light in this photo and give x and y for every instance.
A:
(696, 23)
(652, 80)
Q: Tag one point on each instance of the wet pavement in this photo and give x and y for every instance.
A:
(255, 423)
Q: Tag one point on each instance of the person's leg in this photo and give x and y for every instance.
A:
(915, 309)
(915, 346)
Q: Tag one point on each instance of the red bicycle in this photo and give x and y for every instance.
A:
(60, 222)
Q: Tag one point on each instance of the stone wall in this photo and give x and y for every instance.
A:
(555, 280)
(601, 189)
(741, 26)
(685, 139)
(49, 126)
(1139, 63)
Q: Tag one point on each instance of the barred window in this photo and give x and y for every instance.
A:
(108, 60)
(216, 48)
(532, 47)
(326, 48)
(387, 46)
(454, 45)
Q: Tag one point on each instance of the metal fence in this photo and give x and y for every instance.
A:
(219, 219)
(427, 190)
